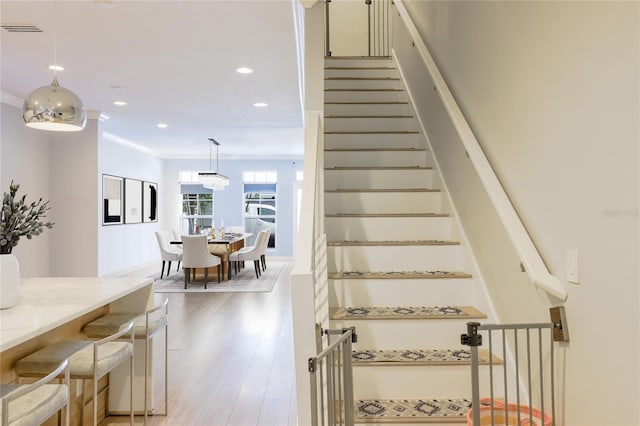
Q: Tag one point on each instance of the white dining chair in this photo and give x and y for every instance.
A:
(249, 253)
(263, 249)
(168, 252)
(196, 255)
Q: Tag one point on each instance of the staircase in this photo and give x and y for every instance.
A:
(397, 270)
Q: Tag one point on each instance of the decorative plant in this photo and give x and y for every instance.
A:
(20, 219)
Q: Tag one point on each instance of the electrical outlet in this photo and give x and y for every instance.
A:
(573, 272)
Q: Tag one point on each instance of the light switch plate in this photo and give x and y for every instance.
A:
(573, 272)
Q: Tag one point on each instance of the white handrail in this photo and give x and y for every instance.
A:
(532, 262)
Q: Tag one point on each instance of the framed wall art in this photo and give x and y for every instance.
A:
(112, 205)
(149, 202)
(132, 201)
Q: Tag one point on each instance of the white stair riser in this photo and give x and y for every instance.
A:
(383, 83)
(359, 62)
(388, 124)
(406, 333)
(388, 228)
(396, 258)
(376, 158)
(394, 292)
(382, 202)
(378, 71)
(364, 96)
(367, 109)
(401, 258)
(412, 382)
(373, 140)
(378, 179)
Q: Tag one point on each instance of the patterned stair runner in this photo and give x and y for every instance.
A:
(367, 357)
(368, 275)
(393, 243)
(412, 410)
(406, 312)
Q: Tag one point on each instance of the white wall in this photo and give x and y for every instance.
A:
(551, 91)
(122, 247)
(73, 162)
(24, 158)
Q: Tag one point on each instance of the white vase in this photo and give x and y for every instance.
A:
(9, 281)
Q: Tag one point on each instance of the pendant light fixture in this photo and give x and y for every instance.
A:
(53, 107)
(210, 179)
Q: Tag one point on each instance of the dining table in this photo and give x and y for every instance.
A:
(222, 246)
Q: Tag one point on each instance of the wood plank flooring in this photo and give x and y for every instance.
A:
(231, 359)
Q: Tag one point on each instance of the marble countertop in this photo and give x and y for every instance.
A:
(46, 303)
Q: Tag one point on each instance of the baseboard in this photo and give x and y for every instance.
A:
(136, 270)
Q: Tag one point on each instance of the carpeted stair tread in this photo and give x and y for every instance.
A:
(406, 312)
(356, 190)
(375, 150)
(387, 215)
(412, 410)
(379, 168)
(413, 357)
(368, 116)
(394, 275)
(356, 243)
(373, 132)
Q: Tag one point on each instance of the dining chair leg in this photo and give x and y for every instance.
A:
(263, 259)
(178, 268)
(206, 277)
(162, 272)
(219, 272)
(256, 268)
(186, 277)
(169, 269)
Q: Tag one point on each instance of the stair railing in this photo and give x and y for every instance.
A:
(378, 31)
(331, 380)
(521, 390)
(531, 260)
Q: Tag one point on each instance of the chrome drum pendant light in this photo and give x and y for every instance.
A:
(54, 108)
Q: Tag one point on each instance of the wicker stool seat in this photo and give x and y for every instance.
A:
(87, 360)
(34, 403)
(144, 327)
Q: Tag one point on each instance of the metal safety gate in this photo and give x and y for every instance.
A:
(331, 378)
(519, 389)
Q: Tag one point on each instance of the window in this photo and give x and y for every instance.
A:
(197, 204)
(259, 203)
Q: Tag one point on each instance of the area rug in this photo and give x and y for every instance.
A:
(244, 282)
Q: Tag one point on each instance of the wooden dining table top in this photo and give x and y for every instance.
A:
(228, 238)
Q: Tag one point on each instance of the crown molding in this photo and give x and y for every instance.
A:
(124, 142)
(12, 100)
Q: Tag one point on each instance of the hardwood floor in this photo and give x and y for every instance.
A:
(231, 359)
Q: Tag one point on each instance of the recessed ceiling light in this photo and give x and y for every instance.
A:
(56, 67)
(120, 103)
(260, 104)
(163, 125)
(244, 70)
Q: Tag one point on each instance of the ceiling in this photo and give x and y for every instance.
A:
(173, 62)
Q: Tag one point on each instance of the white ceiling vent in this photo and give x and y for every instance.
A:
(21, 28)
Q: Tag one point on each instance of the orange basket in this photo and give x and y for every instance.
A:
(528, 416)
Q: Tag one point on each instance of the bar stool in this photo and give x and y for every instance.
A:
(87, 360)
(34, 403)
(145, 326)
